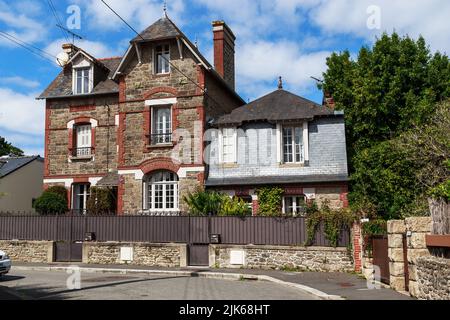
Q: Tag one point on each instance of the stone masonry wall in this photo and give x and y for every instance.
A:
(319, 259)
(433, 278)
(28, 251)
(145, 254)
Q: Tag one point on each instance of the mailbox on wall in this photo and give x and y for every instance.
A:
(215, 238)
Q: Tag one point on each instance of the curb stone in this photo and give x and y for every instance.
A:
(209, 275)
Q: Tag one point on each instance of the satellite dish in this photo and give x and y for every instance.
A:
(62, 59)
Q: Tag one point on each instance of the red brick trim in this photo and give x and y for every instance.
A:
(293, 191)
(82, 108)
(121, 138)
(200, 80)
(120, 195)
(159, 164)
(148, 94)
(357, 246)
(69, 197)
(48, 113)
(202, 118)
(147, 114)
(122, 89)
(201, 178)
(81, 180)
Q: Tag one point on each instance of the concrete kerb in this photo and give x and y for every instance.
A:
(209, 275)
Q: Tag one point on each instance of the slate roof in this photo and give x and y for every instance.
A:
(263, 180)
(279, 105)
(164, 28)
(9, 165)
(62, 85)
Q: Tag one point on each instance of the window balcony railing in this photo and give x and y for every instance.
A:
(82, 152)
(160, 138)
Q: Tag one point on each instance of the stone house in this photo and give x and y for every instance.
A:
(281, 140)
(135, 123)
(145, 125)
(20, 183)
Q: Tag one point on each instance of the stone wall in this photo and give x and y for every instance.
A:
(433, 278)
(144, 254)
(284, 257)
(28, 251)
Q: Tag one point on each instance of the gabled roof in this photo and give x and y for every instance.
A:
(164, 28)
(9, 165)
(277, 106)
(62, 85)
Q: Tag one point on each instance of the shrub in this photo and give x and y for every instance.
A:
(101, 201)
(234, 207)
(51, 203)
(203, 203)
(58, 190)
(270, 201)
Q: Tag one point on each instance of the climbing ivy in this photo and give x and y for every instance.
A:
(270, 199)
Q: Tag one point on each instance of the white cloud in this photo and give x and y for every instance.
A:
(19, 24)
(261, 63)
(19, 81)
(413, 17)
(95, 48)
(21, 113)
(139, 13)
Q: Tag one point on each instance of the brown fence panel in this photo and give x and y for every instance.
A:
(232, 230)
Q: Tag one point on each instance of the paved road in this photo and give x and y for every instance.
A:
(51, 285)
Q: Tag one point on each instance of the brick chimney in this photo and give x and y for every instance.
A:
(328, 101)
(224, 52)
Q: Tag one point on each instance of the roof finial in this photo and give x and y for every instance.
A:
(165, 9)
(280, 83)
(196, 41)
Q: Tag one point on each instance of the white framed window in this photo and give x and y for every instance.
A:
(162, 58)
(83, 143)
(80, 196)
(293, 151)
(161, 125)
(83, 81)
(294, 205)
(228, 149)
(161, 192)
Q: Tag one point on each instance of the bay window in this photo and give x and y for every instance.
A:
(161, 192)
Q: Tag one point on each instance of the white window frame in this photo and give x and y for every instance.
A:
(234, 146)
(154, 121)
(150, 186)
(294, 203)
(156, 60)
(304, 147)
(90, 80)
(83, 132)
(76, 195)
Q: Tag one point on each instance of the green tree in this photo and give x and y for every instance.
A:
(386, 91)
(7, 149)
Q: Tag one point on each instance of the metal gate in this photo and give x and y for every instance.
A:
(68, 251)
(381, 256)
(199, 239)
(71, 249)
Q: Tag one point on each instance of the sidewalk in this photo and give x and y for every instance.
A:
(327, 286)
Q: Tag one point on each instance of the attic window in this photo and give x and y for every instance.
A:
(162, 57)
(82, 80)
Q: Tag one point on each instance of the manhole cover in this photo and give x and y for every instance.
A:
(108, 279)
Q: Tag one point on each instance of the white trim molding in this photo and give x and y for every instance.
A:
(310, 193)
(306, 141)
(67, 182)
(161, 102)
(94, 181)
(138, 174)
(182, 172)
(93, 122)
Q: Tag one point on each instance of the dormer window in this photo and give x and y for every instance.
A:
(162, 58)
(82, 80)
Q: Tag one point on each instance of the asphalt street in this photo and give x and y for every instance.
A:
(52, 285)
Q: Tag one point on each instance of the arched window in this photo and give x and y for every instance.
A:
(161, 192)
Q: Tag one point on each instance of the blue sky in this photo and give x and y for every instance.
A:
(291, 38)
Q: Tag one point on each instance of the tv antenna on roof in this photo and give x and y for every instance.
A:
(73, 34)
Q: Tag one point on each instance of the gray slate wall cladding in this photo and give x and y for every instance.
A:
(257, 152)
